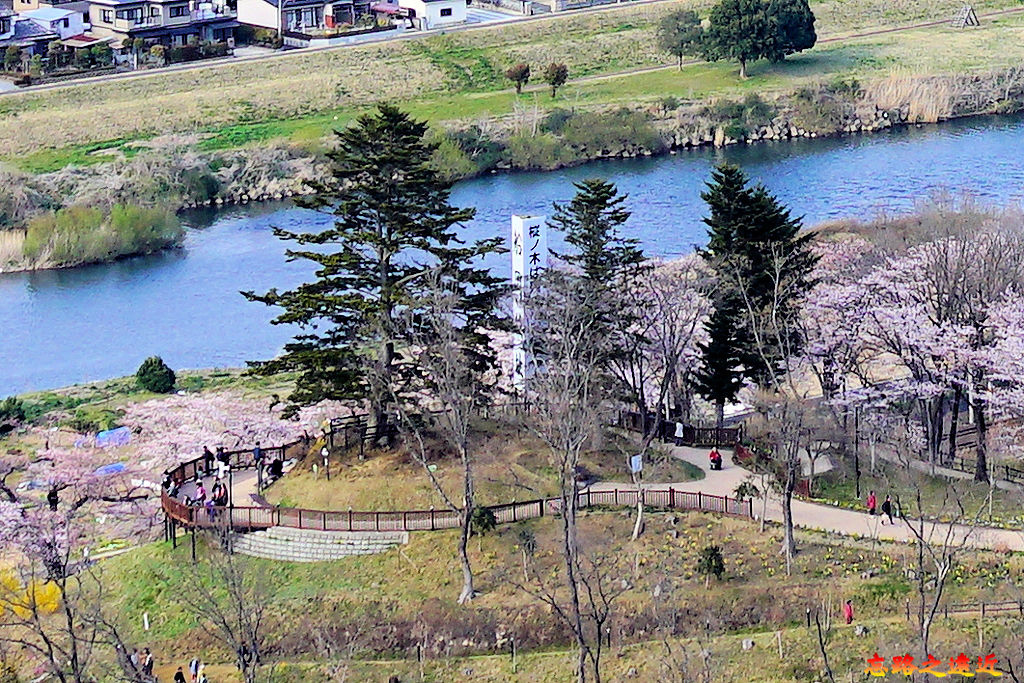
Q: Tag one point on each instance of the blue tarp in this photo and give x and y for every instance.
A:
(114, 437)
(112, 468)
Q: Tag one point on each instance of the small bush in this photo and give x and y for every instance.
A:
(536, 152)
(90, 420)
(154, 375)
(449, 160)
(612, 131)
(12, 412)
(555, 120)
(710, 563)
(482, 521)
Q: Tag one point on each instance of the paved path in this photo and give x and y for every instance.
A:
(724, 482)
(823, 517)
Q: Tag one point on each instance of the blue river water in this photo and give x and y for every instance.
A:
(95, 322)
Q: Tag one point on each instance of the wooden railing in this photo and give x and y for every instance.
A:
(966, 464)
(692, 436)
(251, 518)
(353, 431)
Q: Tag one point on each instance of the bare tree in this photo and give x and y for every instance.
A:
(454, 378)
(567, 389)
(229, 600)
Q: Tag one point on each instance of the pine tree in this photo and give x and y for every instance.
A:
(721, 374)
(592, 224)
(393, 225)
(764, 264)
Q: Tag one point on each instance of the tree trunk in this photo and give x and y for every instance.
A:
(788, 540)
(468, 507)
(680, 62)
(720, 414)
(954, 423)
(981, 465)
(570, 552)
(467, 593)
(637, 528)
(743, 68)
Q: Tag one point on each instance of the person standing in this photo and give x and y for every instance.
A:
(179, 676)
(848, 612)
(872, 503)
(135, 659)
(147, 663)
(887, 508)
(207, 460)
(679, 434)
(193, 669)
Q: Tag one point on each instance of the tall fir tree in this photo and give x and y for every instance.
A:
(608, 263)
(393, 225)
(592, 224)
(720, 376)
(764, 265)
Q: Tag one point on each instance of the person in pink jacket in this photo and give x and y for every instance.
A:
(872, 503)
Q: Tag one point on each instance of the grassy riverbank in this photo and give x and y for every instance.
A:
(256, 130)
(458, 77)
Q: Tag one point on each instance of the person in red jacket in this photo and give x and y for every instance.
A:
(872, 503)
(848, 612)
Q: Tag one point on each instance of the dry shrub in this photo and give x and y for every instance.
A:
(928, 99)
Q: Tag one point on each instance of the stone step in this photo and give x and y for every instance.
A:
(305, 545)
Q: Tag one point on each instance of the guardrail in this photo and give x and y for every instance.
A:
(254, 518)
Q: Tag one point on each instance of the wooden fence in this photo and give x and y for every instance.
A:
(254, 518)
(692, 435)
(351, 431)
(967, 464)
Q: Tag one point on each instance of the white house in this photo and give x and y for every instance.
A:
(428, 14)
(64, 22)
(300, 15)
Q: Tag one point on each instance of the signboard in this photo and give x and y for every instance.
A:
(529, 257)
(636, 464)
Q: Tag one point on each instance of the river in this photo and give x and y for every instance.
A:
(90, 323)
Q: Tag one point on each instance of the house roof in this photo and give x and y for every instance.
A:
(6, 11)
(117, 3)
(298, 3)
(48, 13)
(27, 32)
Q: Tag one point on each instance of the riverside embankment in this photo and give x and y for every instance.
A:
(67, 326)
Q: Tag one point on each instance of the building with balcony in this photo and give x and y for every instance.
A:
(165, 22)
(301, 16)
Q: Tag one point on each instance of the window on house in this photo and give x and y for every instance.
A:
(179, 11)
(108, 16)
(154, 11)
(446, 12)
(64, 23)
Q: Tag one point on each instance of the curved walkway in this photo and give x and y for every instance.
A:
(723, 483)
(816, 516)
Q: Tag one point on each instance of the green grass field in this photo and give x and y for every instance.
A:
(459, 77)
(414, 590)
